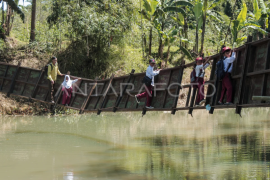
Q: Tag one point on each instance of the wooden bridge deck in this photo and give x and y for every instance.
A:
(250, 78)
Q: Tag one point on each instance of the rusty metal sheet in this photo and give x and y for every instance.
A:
(163, 78)
(28, 90)
(116, 85)
(11, 71)
(34, 75)
(92, 102)
(157, 101)
(22, 74)
(123, 101)
(2, 70)
(6, 85)
(239, 62)
(255, 88)
(170, 99)
(18, 88)
(78, 101)
(42, 93)
(174, 78)
(260, 57)
(110, 101)
(138, 82)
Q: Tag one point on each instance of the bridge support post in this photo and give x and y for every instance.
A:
(105, 97)
(3, 80)
(179, 81)
(241, 90)
(88, 98)
(122, 93)
(33, 95)
(13, 80)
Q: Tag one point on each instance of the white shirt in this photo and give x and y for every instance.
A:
(151, 73)
(199, 68)
(227, 61)
(67, 84)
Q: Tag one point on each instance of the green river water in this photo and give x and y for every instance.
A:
(127, 146)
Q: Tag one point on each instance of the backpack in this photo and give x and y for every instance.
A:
(193, 76)
(46, 68)
(147, 81)
(220, 69)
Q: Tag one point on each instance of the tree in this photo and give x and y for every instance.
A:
(241, 23)
(214, 15)
(11, 7)
(33, 21)
(149, 14)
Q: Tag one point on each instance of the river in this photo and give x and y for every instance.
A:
(116, 146)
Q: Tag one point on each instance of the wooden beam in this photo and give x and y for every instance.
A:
(194, 92)
(38, 82)
(179, 81)
(88, 98)
(27, 76)
(13, 80)
(105, 97)
(241, 89)
(261, 98)
(3, 80)
(124, 90)
(188, 96)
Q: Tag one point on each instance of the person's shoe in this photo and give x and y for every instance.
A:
(220, 103)
(202, 101)
(52, 102)
(149, 107)
(228, 103)
(138, 101)
(197, 104)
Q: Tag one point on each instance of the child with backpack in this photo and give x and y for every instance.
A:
(224, 73)
(198, 72)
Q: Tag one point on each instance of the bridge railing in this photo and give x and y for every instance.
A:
(250, 77)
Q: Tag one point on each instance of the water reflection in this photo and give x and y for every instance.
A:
(127, 146)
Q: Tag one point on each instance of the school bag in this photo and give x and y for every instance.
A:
(147, 81)
(220, 69)
(46, 68)
(193, 76)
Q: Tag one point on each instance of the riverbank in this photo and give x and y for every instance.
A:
(19, 106)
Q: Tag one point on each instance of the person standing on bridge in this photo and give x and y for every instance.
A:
(199, 70)
(229, 58)
(149, 83)
(67, 89)
(52, 76)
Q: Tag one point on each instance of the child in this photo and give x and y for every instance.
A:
(67, 89)
(226, 81)
(199, 69)
(150, 73)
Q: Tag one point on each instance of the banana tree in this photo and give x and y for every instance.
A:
(259, 16)
(198, 11)
(241, 23)
(149, 13)
(166, 9)
(208, 11)
(169, 37)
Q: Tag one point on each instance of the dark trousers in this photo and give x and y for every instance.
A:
(146, 94)
(226, 86)
(200, 91)
(51, 90)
